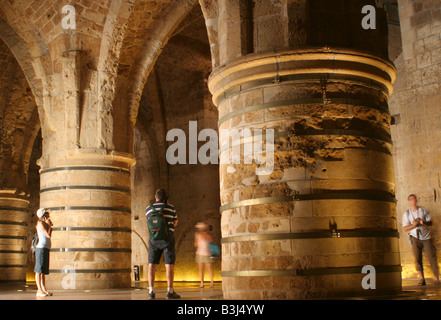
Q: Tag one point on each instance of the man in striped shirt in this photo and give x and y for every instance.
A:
(157, 247)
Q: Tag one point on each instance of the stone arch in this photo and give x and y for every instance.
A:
(19, 122)
(138, 55)
(161, 33)
(32, 67)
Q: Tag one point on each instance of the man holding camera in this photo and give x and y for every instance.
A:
(416, 221)
(44, 231)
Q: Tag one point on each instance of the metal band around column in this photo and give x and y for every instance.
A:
(121, 209)
(322, 234)
(306, 197)
(85, 168)
(90, 271)
(300, 102)
(125, 190)
(91, 250)
(128, 230)
(13, 252)
(307, 272)
(13, 223)
(13, 209)
(12, 266)
(316, 77)
(13, 237)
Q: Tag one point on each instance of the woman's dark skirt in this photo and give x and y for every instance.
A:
(42, 261)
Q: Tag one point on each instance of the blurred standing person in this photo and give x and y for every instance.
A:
(44, 231)
(202, 241)
(416, 221)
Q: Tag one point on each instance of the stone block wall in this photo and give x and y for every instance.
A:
(416, 106)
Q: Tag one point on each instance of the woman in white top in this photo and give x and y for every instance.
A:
(202, 241)
(44, 231)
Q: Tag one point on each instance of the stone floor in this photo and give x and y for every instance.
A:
(188, 291)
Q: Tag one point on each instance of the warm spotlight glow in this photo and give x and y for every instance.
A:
(30, 277)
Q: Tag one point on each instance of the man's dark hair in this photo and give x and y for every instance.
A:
(161, 195)
(412, 195)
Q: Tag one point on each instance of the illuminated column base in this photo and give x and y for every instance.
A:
(88, 196)
(328, 208)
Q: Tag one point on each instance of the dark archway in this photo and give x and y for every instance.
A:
(176, 93)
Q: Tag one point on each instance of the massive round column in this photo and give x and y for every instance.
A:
(13, 236)
(88, 195)
(307, 228)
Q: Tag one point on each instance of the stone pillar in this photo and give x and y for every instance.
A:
(13, 236)
(88, 195)
(328, 208)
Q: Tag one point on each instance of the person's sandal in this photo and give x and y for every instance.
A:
(422, 282)
(41, 295)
